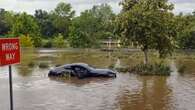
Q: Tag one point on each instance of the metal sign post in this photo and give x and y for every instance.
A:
(11, 87)
(9, 54)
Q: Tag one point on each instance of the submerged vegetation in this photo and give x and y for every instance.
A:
(31, 64)
(123, 62)
(158, 69)
(181, 68)
(43, 65)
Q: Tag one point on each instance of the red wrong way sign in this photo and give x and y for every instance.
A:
(9, 51)
(9, 54)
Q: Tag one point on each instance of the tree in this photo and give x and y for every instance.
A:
(26, 25)
(105, 16)
(44, 20)
(80, 39)
(186, 39)
(61, 18)
(150, 24)
(84, 30)
(92, 25)
(6, 20)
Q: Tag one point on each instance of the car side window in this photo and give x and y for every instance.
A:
(80, 69)
(68, 67)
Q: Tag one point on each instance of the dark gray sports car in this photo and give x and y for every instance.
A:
(81, 70)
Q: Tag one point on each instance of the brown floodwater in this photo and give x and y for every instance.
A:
(33, 90)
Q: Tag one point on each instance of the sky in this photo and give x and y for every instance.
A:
(29, 6)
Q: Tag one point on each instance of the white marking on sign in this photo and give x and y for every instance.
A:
(9, 46)
(10, 56)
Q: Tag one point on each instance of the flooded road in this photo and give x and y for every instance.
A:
(33, 90)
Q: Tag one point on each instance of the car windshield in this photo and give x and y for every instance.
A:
(89, 67)
(67, 66)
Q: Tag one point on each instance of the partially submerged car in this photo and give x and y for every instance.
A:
(81, 70)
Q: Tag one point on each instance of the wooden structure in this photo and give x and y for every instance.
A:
(110, 44)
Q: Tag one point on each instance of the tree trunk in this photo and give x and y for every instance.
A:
(145, 56)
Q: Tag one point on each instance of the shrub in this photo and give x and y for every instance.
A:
(152, 69)
(26, 41)
(59, 42)
(47, 43)
(37, 41)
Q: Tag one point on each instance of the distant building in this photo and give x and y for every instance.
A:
(110, 44)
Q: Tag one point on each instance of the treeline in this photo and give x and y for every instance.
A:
(61, 28)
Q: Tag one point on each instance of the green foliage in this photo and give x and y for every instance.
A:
(152, 69)
(56, 21)
(83, 31)
(26, 41)
(45, 22)
(92, 25)
(64, 10)
(6, 19)
(25, 25)
(37, 41)
(150, 24)
(59, 42)
(61, 18)
(47, 43)
(186, 39)
(105, 16)
(78, 39)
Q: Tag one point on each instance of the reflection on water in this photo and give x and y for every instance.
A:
(153, 95)
(33, 90)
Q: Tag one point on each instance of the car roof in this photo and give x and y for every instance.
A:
(76, 64)
(72, 64)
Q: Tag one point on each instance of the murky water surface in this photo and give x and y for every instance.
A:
(33, 90)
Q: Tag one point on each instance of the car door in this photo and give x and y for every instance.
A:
(80, 71)
(69, 70)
